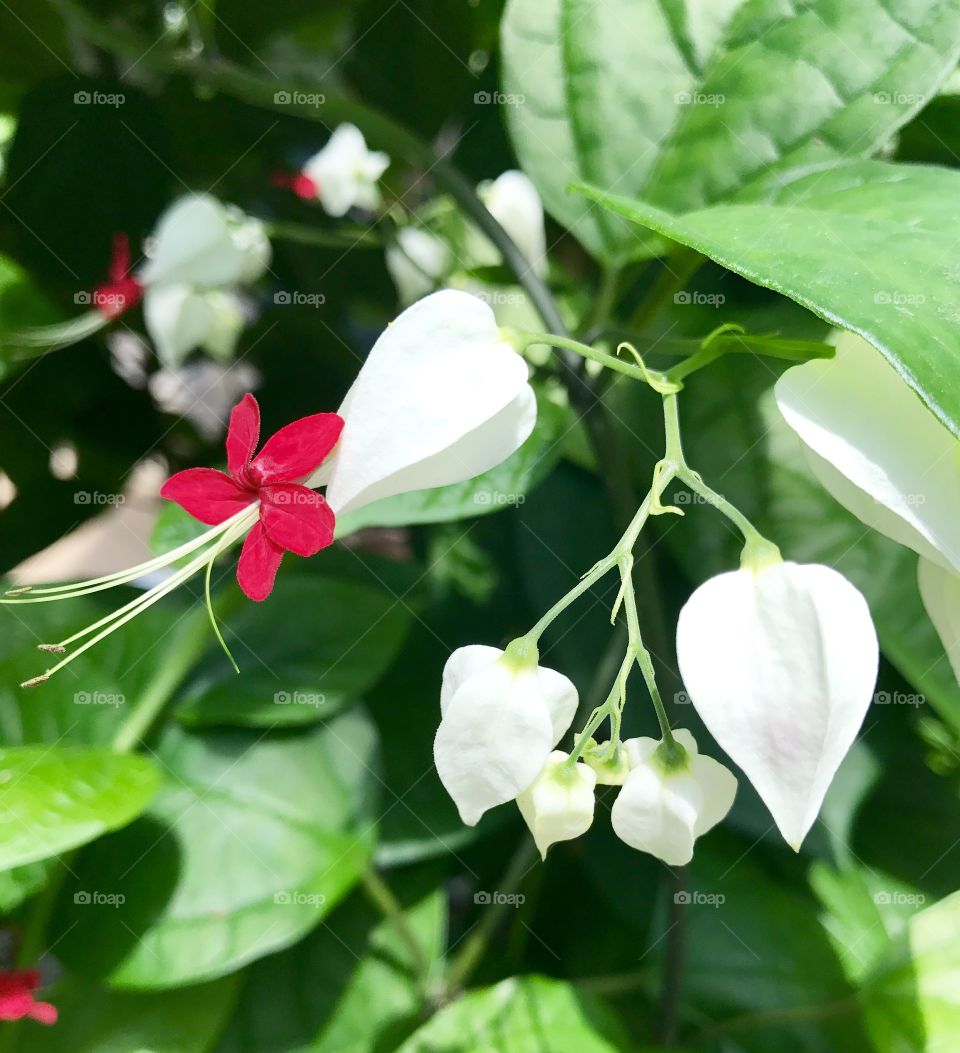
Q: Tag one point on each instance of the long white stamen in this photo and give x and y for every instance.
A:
(46, 594)
(131, 610)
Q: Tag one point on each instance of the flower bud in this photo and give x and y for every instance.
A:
(558, 806)
(668, 802)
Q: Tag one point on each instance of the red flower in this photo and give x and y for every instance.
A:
(17, 1001)
(293, 518)
(302, 185)
(122, 291)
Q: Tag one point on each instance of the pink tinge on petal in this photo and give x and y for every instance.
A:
(258, 565)
(17, 1001)
(297, 450)
(296, 518)
(207, 494)
(243, 434)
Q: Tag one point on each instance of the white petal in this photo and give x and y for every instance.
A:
(346, 172)
(440, 399)
(657, 814)
(493, 739)
(461, 665)
(940, 591)
(200, 241)
(561, 699)
(417, 263)
(513, 201)
(781, 665)
(894, 464)
(558, 805)
(180, 319)
(719, 786)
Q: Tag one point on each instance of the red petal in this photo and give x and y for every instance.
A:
(243, 434)
(296, 518)
(208, 495)
(43, 1013)
(293, 452)
(258, 565)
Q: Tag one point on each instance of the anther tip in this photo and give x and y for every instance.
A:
(36, 680)
(52, 648)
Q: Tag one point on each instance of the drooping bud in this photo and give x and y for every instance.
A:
(558, 805)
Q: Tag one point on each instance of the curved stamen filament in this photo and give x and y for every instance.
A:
(48, 593)
(240, 525)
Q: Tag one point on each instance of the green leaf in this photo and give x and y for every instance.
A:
(342, 990)
(20, 883)
(866, 246)
(505, 486)
(94, 1020)
(688, 103)
(525, 1014)
(58, 797)
(912, 1000)
(251, 842)
(318, 644)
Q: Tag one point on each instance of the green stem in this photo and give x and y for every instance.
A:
(324, 239)
(382, 897)
(475, 945)
(618, 365)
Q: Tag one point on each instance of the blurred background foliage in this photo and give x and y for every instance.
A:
(252, 919)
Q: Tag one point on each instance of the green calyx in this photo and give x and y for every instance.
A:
(522, 654)
(671, 756)
(758, 554)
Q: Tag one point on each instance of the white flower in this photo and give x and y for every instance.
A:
(663, 808)
(514, 203)
(440, 399)
(877, 449)
(180, 318)
(502, 714)
(558, 805)
(345, 172)
(780, 663)
(200, 241)
(417, 263)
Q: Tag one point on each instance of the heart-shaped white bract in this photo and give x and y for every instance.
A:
(440, 399)
(664, 810)
(345, 172)
(558, 805)
(180, 318)
(500, 719)
(200, 241)
(781, 663)
(417, 263)
(876, 448)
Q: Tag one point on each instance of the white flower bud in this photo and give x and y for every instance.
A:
(502, 714)
(558, 806)
(663, 808)
(780, 663)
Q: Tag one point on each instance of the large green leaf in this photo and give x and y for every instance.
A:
(912, 1000)
(687, 103)
(505, 486)
(54, 798)
(22, 882)
(867, 246)
(320, 642)
(347, 990)
(250, 843)
(526, 1014)
(95, 1020)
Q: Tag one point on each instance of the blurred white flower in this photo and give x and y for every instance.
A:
(883, 455)
(502, 714)
(441, 398)
(514, 203)
(345, 172)
(558, 805)
(665, 805)
(417, 263)
(780, 663)
(180, 318)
